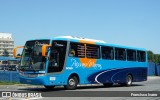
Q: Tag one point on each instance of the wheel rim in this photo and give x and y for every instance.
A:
(129, 80)
(72, 82)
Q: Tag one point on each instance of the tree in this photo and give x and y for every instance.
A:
(153, 57)
(5, 53)
(150, 56)
(156, 58)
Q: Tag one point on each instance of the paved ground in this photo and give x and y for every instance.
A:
(153, 84)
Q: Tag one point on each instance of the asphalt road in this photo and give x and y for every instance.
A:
(152, 84)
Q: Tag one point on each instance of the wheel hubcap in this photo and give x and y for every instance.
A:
(71, 82)
(129, 80)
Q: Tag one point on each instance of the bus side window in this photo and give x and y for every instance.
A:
(107, 53)
(72, 53)
(131, 55)
(92, 51)
(120, 54)
(141, 55)
(77, 50)
(72, 49)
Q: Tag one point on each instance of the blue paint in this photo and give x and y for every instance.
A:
(119, 75)
(103, 71)
(151, 69)
(158, 69)
(9, 76)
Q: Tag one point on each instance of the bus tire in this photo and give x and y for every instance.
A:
(107, 84)
(128, 81)
(49, 87)
(71, 83)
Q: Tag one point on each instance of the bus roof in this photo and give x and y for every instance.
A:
(73, 38)
(98, 42)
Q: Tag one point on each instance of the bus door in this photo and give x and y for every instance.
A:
(57, 56)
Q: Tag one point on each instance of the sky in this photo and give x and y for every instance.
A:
(134, 23)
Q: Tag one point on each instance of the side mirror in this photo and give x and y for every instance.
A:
(44, 50)
(15, 51)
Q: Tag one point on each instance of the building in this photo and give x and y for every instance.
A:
(6, 43)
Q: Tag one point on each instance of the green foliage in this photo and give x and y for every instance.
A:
(5, 53)
(153, 57)
(8, 83)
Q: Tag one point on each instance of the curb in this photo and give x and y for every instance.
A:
(153, 77)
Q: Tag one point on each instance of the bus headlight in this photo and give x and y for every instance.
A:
(40, 75)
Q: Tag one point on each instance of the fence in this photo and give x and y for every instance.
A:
(158, 69)
(9, 76)
(153, 69)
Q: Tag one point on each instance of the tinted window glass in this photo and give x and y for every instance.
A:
(57, 56)
(77, 50)
(131, 55)
(92, 51)
(107, 53)
(141, 55)
(32, 58)
(120, 54)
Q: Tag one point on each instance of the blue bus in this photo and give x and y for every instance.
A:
(68, 61)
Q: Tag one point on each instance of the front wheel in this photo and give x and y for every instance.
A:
(71, 83)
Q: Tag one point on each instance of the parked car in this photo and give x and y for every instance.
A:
(8, 68)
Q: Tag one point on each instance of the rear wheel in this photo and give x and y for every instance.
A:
(71, 83)
(49, 87)
(128, 82)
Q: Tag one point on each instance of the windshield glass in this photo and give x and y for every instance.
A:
(32, 55)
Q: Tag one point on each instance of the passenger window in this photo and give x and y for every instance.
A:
(92, 51)
(131, 55)
(107, 53)
(141, 55)
(77, 50)
(120, 54)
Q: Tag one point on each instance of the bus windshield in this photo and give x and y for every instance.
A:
(32, 58)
